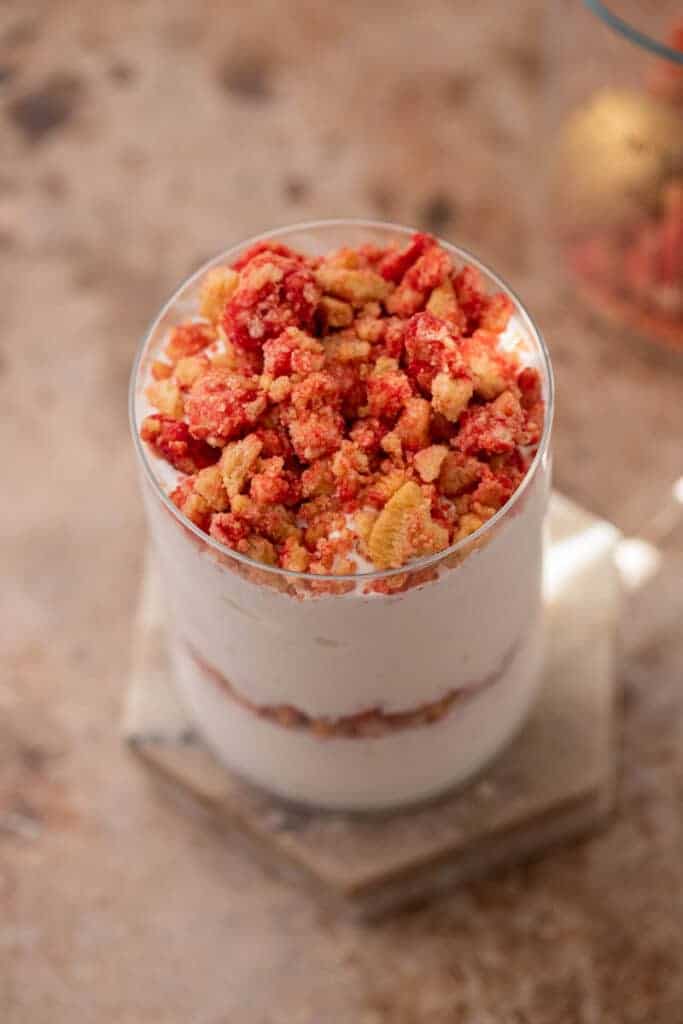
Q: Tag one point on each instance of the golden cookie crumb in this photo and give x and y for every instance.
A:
(209, 484)
(237, 461)
(355, 286)
(335, 312)
(428, 462)
(388, 542)
(161, 370)
(442, 302)
(450, 397)
(165, 396)
(190, 369)
(413, 425)
(468, 525)
(218, 287)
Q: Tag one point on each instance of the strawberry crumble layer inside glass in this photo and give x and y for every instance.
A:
(343, 429)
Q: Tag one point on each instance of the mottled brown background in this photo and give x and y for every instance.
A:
(137, 138)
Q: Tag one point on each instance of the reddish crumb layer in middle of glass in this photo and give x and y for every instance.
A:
(365, 724)
(320, 411)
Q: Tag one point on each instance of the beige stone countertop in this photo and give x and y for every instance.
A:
(136, 139)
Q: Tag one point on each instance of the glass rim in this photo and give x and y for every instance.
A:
(380, 574)
(631, 33)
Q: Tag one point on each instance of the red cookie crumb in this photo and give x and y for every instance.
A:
(171, 440)
(274, 292)
(431, 346)
(494, 428)
(394, 265)
(430, 270)
(222, 404)
(292, 352)
(315, 434)
(470, 295)
(388, 394)
(276, 248)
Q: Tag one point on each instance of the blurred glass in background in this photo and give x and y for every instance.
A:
(616, 116)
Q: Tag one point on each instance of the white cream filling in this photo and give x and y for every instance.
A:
(336, 655)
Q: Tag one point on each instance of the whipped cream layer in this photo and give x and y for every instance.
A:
(373, 773)
(333, 655)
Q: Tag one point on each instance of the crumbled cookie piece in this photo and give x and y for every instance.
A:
(458, 473)
(160, 370)
(275, 485)
(443, 304)
(429, 271)
(218, 287)
(396, 262)
(351, 470)
(188, 340)
(293, 351)
(354, 286)
(388, 541)
(228, 529)
(347, 349)
(237, 461)
(210, 485)
(260, 549)
(274, 292)
(495, 428)
(404, 529)
(429, 460)
(413, 425)
(335, 312)
(294, 556)
(189, 369)
(222, 404)
(165, 396)
(192, 504)
(171, 440)
(317, 479)
(384, 486)
(370, 328)
(316, 433)
(388, 393)
(468, 525)
(432, 346)
(450, 396)
(496, 313)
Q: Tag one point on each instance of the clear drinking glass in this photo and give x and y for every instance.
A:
(365, 691)
(616, 112)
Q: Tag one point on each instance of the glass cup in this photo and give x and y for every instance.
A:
(616, 120)
(353, 692)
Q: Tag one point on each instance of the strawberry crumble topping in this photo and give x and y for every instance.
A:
(343, 413)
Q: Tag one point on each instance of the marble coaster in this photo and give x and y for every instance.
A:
(553, 782)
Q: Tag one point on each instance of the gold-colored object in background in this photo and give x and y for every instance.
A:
(615, 154)
(617, 163)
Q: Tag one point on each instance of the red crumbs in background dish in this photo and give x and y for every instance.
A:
(326, 413)
(633, 274)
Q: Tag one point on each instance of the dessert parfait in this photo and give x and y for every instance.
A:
(343, 430)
